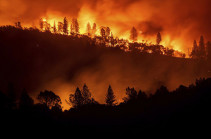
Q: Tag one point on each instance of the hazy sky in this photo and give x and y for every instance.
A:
(179, 21)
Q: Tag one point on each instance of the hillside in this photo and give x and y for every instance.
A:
(40, 60)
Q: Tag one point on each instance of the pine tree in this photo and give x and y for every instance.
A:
(194, 53)
(76, 27)
(94, 29)
(88, 29)
(86, 95)
(65, 26)
(159, 38)
(71, 29)
(76, 99)
(110, 97)
(133, 34)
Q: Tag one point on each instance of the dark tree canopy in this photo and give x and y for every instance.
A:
(49, 98)
(131, 94)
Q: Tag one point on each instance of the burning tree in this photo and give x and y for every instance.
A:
(108, 32)
(88, 28)
(133, 34)
(75, 26)
(41, 24)
(94, 29)
(18, 24)
(159, 38)
(65, 26)
(60, 27)
(102, 32)
(54, 28)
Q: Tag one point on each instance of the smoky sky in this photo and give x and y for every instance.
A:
(182, 20)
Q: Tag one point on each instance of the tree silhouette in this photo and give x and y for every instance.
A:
(88, 29)
(133, 34)
(110, 97)
(194, 53)
(60, 27)
(49, 98)
(26, 102)
(86, 95)
(161, 91)
(75, 26)
(159, 38)
(102, 32)
(76, 99)
(108, 32)
(65, 26)
(131, 94)
(94, 29)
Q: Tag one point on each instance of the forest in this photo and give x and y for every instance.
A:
(27, 55)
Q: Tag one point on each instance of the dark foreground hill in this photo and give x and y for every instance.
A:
(186, 108)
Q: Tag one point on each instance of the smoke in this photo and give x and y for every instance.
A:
(179, 21)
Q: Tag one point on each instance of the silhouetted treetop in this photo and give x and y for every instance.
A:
(110, 97)
(49, 98)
